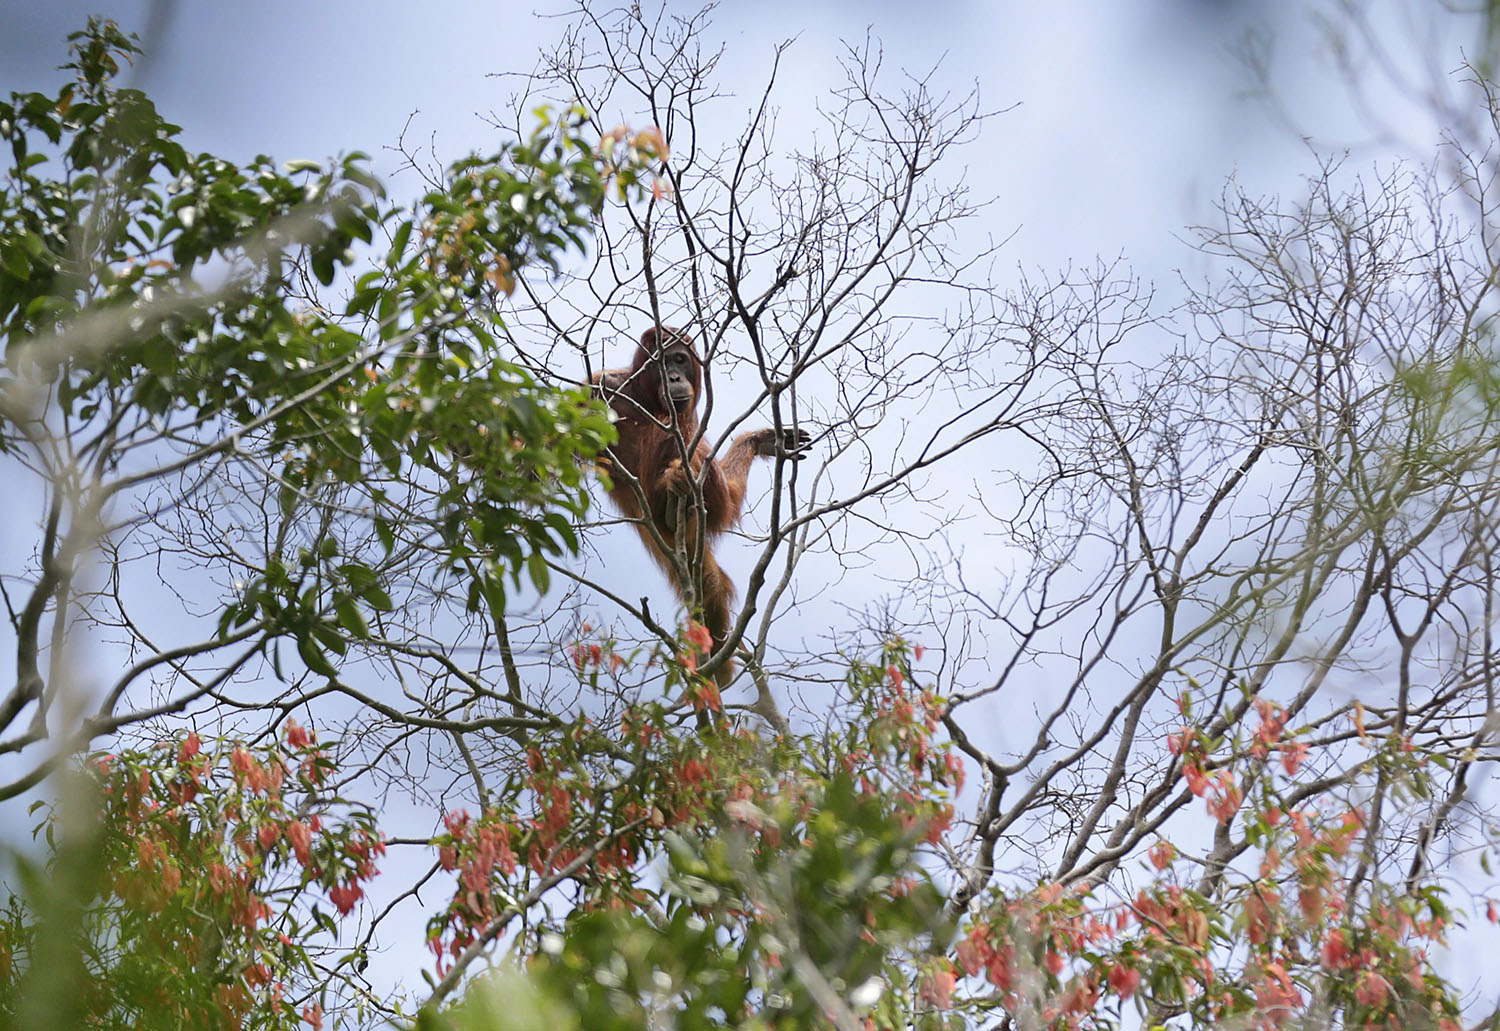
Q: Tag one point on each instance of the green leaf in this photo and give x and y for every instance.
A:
(398, 244)
(363, 301)
(322, 267)
(349, 615)
(313, 656)
(330, 638)
(358, 576)
(377, 598)
(16, 262)
(541, 576)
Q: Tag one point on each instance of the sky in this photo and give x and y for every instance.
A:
(1116, 125)
(1121, 119)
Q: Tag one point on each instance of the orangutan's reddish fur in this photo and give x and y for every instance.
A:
(656, 408)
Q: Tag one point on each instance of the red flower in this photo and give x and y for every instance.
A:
(1197, 780)
(297, 736)
(1123, 980)
(955, 767)
(937, 988)
(1310, 901)
(697, 634)
(344, 896)
(300, 837)
(1292, 755)
(1226, 798)
(974, 952)
(1277, 996)
(1371, 989)
(938, 824)
(1260, 920)
(1335, 951)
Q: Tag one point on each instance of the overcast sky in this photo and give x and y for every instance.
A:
(1120, 121)
(1127, 118)
(1116, 126)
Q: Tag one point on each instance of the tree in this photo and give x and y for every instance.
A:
(242, 430)
(1252, 568)
(176, 392)
(178, 894)
(319, 487)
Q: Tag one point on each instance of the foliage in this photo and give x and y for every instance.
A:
(194, 878)
(1292, 942)
(792, 878)
(159, 325)
(111, 231)
(1222, 713)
